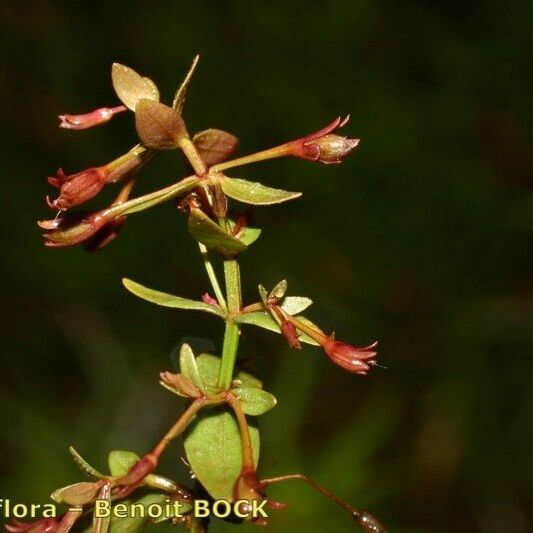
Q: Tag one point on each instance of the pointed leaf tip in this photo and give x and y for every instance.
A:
(169, 300)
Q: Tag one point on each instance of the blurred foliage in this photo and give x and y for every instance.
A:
(420, 239)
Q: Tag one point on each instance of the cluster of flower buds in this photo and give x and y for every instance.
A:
(161, 127)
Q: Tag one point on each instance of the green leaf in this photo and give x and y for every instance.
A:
(188, 366)
(179, 98)
(279, 290)
(209, 367)
(133, 522)
(120, 461)
(248, 235)
(295, 304)
(215, 146)
(76, 494)
(214, 451)
(169, 300)
(84, 465)
(204, 230)
(265, 321)
(247, 380)
(132, 87)
(255, 193)
(159, 127)
(255, 401)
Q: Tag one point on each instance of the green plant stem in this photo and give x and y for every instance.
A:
(231, 334)
(213, 277)
(271, 153)
(191, 153)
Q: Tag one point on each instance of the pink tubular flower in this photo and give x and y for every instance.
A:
(88, 120)
(323, 145)
(352, 358)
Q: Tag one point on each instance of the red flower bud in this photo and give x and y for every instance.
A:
(288, 330)
(77, 188)
(352, 358)
(82, 186)
(88, 120)
(322, 146)
(72, 228)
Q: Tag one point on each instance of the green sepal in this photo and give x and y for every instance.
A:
(169, 300)
(120, 461)
(255, 193)
(255, 401)
(204, 230)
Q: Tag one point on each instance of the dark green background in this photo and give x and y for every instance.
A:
(421, 239)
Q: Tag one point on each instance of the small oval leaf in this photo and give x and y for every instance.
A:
(214, 450)
(204, 230)
(159, 127)
(76, 494)
(215, 146)
(120, 461)
(279, 290)
(131, 86)
(209, 368)
(255, 193)
(255, 401)
(169, 300)
(295, 304)
(188, 366)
